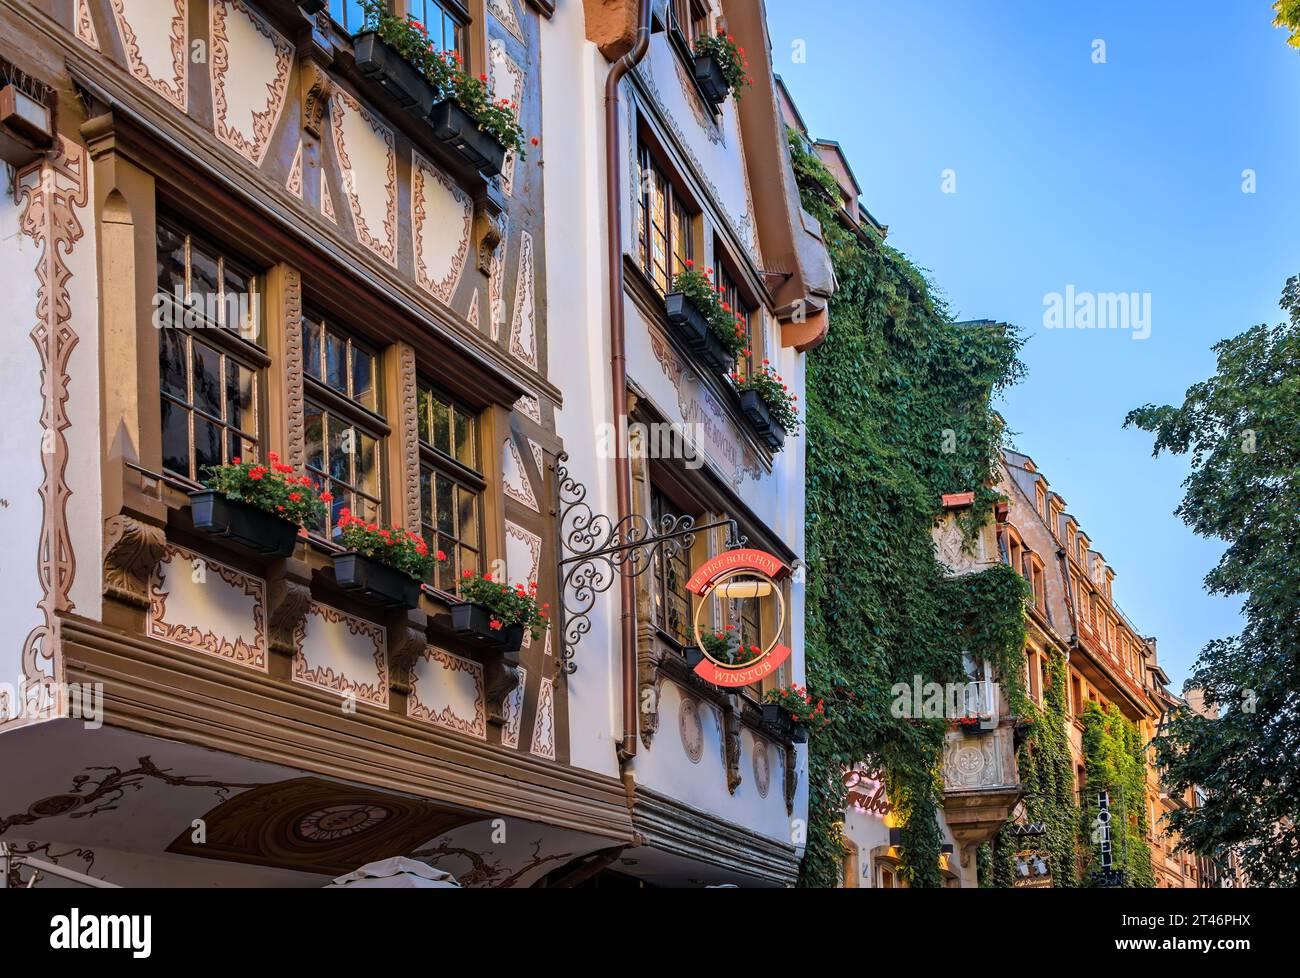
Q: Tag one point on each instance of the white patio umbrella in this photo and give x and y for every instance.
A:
(397, 873)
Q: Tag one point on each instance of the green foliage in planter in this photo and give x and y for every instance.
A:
(725, 647)
(445, 71)
(726, 323)
(800, 704)
(1047, 772)
(509, 605)
(731, 59)
(272, 487)
(898, 413)
(395, 546)
(1115, 761)
(776, 394)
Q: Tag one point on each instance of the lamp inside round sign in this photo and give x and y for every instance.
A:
(729, 582)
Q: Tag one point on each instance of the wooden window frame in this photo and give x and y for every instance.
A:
(345, 407)
(462, 475)
(736, 296)
(699, 21)
(663, 560)
(456, 10)
(229, 343)
(680, 218)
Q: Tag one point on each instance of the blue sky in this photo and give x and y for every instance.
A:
(1125, 176)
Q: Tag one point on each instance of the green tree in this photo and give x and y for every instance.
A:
(1241, 432)
(1288, 17)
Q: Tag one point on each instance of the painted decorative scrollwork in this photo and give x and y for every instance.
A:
(596, 548)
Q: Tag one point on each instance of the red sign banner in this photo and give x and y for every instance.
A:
(736, 560)
(711, 672)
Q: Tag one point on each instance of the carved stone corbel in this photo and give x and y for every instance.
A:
(288, 597)
(731, 744)
(489, 224)
(132, 550)
(649, 658)
(500, 679)
(791, 778)
(407, 642)
(315, 89)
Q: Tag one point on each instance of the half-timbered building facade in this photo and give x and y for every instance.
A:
(430, 342)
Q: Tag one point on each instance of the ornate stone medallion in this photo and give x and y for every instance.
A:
(692, 731)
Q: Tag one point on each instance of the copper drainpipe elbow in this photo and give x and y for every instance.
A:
(618, 366)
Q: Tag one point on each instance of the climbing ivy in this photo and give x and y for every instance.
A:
(1114, 760)
(1046, 771)
(898, 413)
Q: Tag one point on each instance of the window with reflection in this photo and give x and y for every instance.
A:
(672, 571)
(690, 17)
(445, 21)
(343, 427)
(208, 358)
(735, 304)
(348, 14)
(451, 484)
(664, 239)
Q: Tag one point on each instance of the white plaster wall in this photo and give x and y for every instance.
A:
(666, 767)
(20, 441)
(572, 78)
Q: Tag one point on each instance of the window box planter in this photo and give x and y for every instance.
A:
(709, 76)
(694, 656)
(375, 582)
(381, 63)
(781, 720)
(696, 332)
(460, 134)
(473, 622)
(755, 409)
(250, 527)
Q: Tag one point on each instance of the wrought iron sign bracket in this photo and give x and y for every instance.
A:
(595, 549)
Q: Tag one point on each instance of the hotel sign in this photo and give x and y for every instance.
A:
(736, 575)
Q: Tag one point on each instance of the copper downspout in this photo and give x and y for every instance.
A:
(618, 365)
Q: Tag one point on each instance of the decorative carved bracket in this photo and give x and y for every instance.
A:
(407, 641)
(649, 684)
(288, 596)
(489, 224)
(315, 89)
(500, 679)
(132, 550)
(791, 778)
(731, 744)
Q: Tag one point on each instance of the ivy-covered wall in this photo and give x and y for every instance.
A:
(1047, 772)
(1115, 761)
(898, 413)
